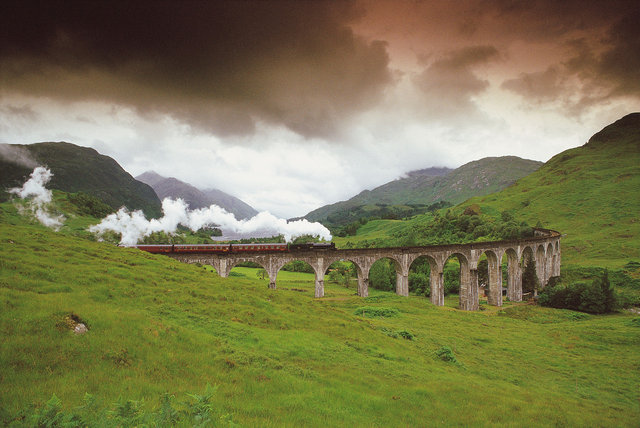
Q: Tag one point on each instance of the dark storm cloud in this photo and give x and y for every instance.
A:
(620, 64)
(602, 44)
(593, 73)
(448, 83)
(542, 86)
(218, 65)
(544, 20)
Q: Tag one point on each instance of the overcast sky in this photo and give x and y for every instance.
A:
(290, 105)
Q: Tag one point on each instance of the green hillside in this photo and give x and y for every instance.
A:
(590, 193)
(432, 185)
(280, 357)
(81, 169)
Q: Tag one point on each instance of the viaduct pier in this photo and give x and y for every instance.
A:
(543, 247)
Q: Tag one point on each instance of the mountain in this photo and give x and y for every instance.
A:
(196, 198)
(76, 169)
(432, 185)
(590, 193)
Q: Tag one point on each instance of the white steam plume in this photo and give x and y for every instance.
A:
(38, 197)
(133, 225)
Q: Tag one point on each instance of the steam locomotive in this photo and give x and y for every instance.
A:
(234, 248)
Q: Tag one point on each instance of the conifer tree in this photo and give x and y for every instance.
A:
(529, 277)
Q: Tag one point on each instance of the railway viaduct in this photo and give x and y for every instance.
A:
(544, 247)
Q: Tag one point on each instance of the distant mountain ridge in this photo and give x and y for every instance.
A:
(76, 169)
(431, 185)
(170, 187)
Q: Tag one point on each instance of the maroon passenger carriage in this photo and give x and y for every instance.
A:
(233, 248)
(212, 248)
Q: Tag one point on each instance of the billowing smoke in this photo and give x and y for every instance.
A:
(38, 197)
(133, 226)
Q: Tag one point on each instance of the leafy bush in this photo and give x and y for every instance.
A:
(596, 298)
(530, 281)
(451, 277)
(419, 283)
(249, 265)
(298, 266)
(396, 334)
(376, 312)
(446, 354)
(467, 226)
(627, 299)
(197, 411)
(382, 275)
(89, 205)
(406, 335)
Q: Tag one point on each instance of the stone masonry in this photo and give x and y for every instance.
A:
(544, 247)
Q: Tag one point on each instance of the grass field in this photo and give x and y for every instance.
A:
(282, 358)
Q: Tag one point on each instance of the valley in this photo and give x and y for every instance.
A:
(279, 357)
(164, 336)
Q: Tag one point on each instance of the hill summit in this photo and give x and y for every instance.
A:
(588, 192)
(173, 188)
(622, 132)
(431, 185)
(76, 169)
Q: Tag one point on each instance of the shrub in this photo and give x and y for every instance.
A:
(596, 298)
(451, 279)
(298, 266)
(419, 283)
(382, 275)
(446, 354)
(406, 335)
(530, 279)
(198, 411)
(89, 205)
(375, 312)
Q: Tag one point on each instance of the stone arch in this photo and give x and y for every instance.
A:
(402, 281)
(544, 249)
(318, 273)
(528, 253)
(435, 278)
(362, 270)
(541, 265)
(514, 276)
(228, 264)
(468, 282)
(549, 262)
(494, 261)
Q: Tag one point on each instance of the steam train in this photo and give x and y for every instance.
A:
(234, 248)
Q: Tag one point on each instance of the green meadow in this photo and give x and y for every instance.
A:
(159, 328)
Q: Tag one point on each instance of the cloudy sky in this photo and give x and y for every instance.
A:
(291, 105)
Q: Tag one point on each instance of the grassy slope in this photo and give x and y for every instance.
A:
(590, 193)
(283, 358)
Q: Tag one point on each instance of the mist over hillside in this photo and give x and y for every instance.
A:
(431, 185)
